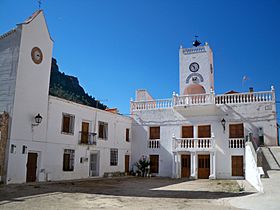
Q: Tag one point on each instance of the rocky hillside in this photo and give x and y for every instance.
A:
(68, 87)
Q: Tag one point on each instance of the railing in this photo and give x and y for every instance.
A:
(152, 104)
(87, 138)
(195, 99)
(236, 143)
(185, 144)
(204, 99)
(153, 144)
(238, 98)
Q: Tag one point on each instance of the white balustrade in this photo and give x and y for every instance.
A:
(153, 143)
(152, 104)
(238, 98)
(236, 143)
(185, 144)
(195, 99)
(203, 99)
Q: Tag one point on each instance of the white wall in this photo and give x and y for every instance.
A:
(9, 51)
(252, 174)
(171, 120)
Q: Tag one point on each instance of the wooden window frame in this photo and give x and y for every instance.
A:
(154, 132)
(114, 157)
(68, 129)
(201, 135)
(189, 135)
(235, 132)
(70, 155)
(127, 131)
(103, 128)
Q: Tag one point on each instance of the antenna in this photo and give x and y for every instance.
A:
(39, 4)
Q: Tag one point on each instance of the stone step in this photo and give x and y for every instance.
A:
(270, 158)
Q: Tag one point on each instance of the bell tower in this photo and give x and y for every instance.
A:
(196, 69)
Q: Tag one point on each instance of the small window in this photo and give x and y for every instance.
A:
(68, 160)
(204, 131)
(114, 157)
(236, 131)
(187, 132)
(127, 135)
(154, 163)
(102, 130)
(155, 132)
(68, 121)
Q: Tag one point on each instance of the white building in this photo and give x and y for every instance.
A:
(196, 134)
(199, 134)
(72, 141)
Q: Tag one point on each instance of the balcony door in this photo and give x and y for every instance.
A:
(187, 131)
(185, 166)
(85, 133)
(203, 166)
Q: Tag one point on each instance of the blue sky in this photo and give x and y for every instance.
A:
(117, 46)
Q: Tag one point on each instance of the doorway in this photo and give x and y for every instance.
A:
(93, 166)
(185, 166)
(31, 167)
(203, 166)
(237, 166)
(126, 163)
(85, 133)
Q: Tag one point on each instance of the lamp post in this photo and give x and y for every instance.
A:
(223, 122)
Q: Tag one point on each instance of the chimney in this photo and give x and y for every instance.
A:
(251, 89)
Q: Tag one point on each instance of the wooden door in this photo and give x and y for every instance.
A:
(237, 166)
(203, 166)
(31, 167)
(204, 131)
(185, 165)
(187, 131)
(154, 163)
(126, 163)
(85, 132)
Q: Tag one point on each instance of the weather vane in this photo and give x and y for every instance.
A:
(196, 43)
(39, 4)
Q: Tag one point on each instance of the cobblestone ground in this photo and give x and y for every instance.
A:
(122, 193)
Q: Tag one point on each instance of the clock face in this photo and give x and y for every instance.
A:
(36, 55)
(194, 67)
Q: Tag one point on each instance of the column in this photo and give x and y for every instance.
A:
(175, 165)
(193, 165)
(212, 165)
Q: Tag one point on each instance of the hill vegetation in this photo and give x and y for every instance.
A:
(68, 87)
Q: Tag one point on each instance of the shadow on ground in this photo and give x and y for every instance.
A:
(133, 187)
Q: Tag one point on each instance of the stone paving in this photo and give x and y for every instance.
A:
(122, 193)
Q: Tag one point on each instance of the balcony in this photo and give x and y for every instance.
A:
(153, 144)
(86, 138)
(193, 144)
(236, 143)
(195, 102)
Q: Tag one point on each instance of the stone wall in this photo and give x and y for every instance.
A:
(4, 122)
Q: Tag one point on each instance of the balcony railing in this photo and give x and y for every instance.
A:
(239, 98)
(153, 144)
(236, 143)
(152, 104)
(204, 99)
(195, 99)
(87, 138)
(192, 144)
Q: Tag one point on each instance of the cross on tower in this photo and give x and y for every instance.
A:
(39, 4)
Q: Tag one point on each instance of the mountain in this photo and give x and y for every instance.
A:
(68, 87)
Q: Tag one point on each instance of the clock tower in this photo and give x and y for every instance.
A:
(196, 69)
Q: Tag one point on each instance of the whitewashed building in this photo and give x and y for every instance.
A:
(197, 133)
(50, 138)
(194, 134)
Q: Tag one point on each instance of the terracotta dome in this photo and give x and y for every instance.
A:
(194, 89)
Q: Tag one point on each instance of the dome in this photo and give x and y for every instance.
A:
(194, 89)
